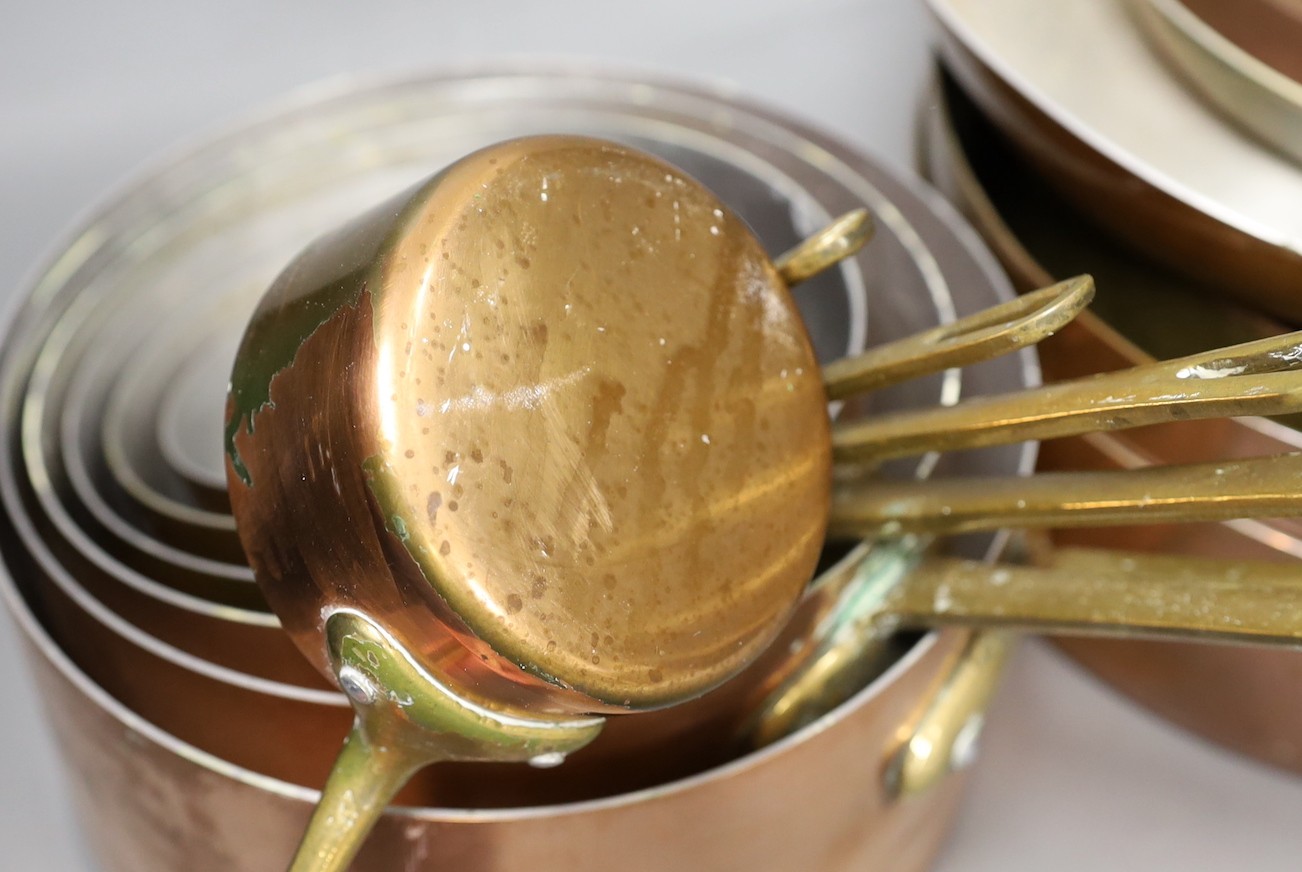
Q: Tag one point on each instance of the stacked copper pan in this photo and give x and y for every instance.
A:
(195, 733)
(1148, 143)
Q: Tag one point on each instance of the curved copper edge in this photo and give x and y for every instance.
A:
(1227, 695)
(1155, 223)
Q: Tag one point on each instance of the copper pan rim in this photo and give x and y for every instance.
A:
(1244, 88)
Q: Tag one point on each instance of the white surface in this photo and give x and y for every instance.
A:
(1070, 778)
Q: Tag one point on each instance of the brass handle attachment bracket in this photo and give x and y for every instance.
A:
(944, 738)
(406, 720)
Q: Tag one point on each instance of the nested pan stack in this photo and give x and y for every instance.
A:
(1076, 144)
(195, 732)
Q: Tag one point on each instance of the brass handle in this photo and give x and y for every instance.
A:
(1106, 593)
(881, 588)
(1262, 487)
(1255, 378)
(826, 248)
(1019, 323)
(406, 720)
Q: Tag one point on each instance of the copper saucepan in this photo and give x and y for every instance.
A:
(123, 629)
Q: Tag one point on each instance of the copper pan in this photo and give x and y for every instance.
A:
(184, 670)
(1143, 158)
(152, 802)
(1224, 694)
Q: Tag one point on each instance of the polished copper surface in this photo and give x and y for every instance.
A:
(578, 443)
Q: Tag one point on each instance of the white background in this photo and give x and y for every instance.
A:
(1071, 778)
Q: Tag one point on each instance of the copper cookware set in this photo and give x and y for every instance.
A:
(166, 674)
(198, 735)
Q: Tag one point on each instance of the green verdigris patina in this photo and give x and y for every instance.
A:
(329, 275)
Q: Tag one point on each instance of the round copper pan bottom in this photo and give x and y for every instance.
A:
(202, 716)
(1228, 695)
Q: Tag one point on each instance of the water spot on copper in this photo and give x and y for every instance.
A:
(452, 506)
(655, 676)
(514, 603)
(476, 455)
(539, 587)
(446, 548)
(409, 453)
(432, 505)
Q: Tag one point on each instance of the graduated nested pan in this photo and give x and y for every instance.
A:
(1118, 134)
(193, 702)
(1230, 695)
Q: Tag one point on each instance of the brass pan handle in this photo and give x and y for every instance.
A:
(1255, 378)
